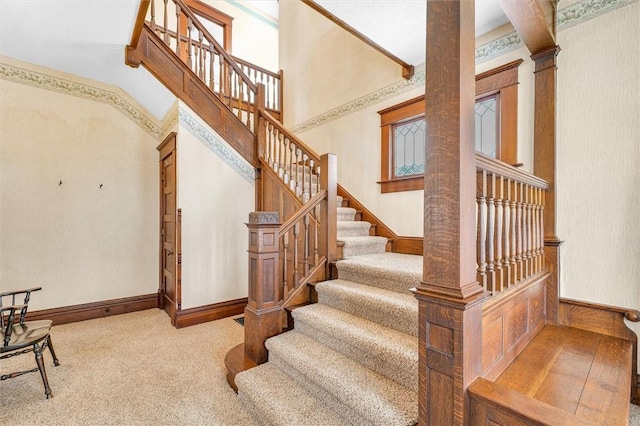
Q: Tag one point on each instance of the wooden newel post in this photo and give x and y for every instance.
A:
(262, 314)
(329, 181)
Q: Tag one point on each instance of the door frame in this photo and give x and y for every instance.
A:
(169, 145)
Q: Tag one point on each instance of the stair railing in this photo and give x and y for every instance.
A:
(176, 25)
(510, 232)
(272, 82)
(285, 257)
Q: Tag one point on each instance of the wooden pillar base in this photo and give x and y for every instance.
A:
(236, 362)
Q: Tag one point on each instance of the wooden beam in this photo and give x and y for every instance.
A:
(407, 69)
(534, 20)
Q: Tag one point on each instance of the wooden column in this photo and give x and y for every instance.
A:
(262, 314)
(450, 339)
(328, 214)
(544, 165)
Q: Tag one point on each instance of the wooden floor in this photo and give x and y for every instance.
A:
(578, 371)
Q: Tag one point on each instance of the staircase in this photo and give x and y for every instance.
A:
(352, 358)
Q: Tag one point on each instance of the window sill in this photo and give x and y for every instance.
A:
(413, 183)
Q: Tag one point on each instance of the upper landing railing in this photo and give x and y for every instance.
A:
(234, 81)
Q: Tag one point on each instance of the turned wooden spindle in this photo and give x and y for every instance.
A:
(178, 14)
(498, 287)
(481, 206)
(165, 27)
(296, 260)
(307, 242)
(506, 230)
(491, 211)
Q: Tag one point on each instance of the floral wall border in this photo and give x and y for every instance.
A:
(570, 16)
(216, 145)
(57, 84)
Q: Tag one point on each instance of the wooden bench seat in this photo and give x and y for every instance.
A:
(579, 372)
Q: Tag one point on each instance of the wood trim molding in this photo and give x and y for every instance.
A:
(407, 69)
(497, 78)
(201, 314)
(86, 311)
(535, 21)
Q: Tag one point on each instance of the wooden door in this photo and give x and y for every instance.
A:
(169, 289)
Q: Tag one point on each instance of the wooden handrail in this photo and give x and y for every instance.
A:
(137, 27)
(187, 11)
(248, 64)
(491, 165)
(407, 69)
(306, 148)
(308, 206)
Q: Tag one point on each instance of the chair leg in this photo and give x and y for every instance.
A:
(53, 353)
(43, 373)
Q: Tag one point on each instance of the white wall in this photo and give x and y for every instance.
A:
(79, 242)
(215, 200)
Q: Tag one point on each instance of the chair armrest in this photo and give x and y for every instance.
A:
(603, 319)
(16, 292)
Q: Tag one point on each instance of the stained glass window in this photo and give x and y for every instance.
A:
(486, 125)
(409, 148)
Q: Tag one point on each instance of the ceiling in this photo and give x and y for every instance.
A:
(88, 37)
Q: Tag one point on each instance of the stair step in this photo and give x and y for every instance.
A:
(351, 228)
(390, 309)
(384, 350)
(346, 214)
(359, 246)
(285, 402)
(390, 271)
(343, 383)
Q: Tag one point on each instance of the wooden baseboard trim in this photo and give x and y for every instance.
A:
(75, 313)
(193, 316)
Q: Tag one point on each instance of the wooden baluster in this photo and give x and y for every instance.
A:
(316, 253)
(153, 16)
(178, 13)
(307, 243)
(240, 96)
(211, 68)
(506, 234)
(499, 195)
(513, 266)
(201, 61)
(318, 180)
(310, 192)
(231, 85)
(285, 275)
(481, 213)
(287, 161)
(519, 224)
(534, 232)
(491, 223)
(542, 202)
(296, 272)
(529, 224)
(298, 172)
(272, 160)
(304, 175)
(166, 24)
(189, 28)
(292, 181)
(268, 94)
(281, 161)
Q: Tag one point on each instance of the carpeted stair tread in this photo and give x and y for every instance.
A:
(346, 214)
(387, 351)
(359, 246)
(388, 308)
(380, 400)
(339, 200)
(390, 271)
(353, 228)
(285, 402)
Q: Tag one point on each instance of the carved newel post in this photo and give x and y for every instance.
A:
(262, 314)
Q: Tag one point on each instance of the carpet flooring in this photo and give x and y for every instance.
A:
(132, 369)
(136, 369)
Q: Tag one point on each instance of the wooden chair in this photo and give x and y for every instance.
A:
(22, 337)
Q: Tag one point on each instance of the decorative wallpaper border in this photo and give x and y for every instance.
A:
(81, 90)
(575, 14)
(216, 145)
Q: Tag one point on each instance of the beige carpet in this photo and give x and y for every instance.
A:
(133, 369)
(112, 373)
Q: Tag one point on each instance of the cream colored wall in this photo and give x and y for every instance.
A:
(597, 140)
(598, 154)
(79, 242)
(215, 202)
(253, 39)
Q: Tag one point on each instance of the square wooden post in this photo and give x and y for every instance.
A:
(262, 314)
(450, 339)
